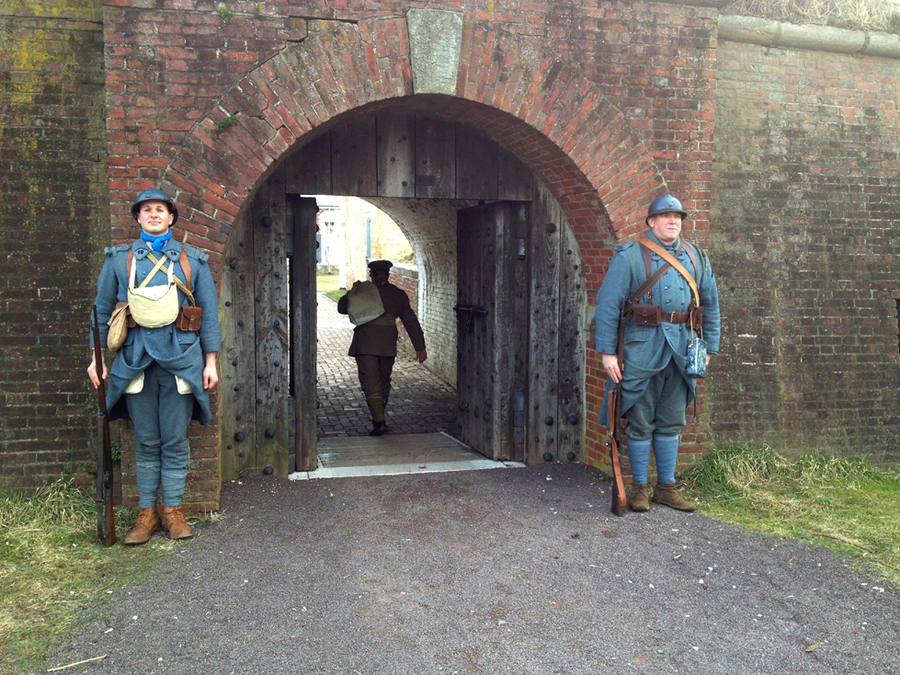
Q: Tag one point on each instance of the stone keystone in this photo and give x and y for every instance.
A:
(435, 40)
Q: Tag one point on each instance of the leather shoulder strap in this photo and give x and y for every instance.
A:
(689, 247)
(669, 258)
(647, 285)
(186, 268)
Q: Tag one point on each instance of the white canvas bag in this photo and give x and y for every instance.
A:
(153, 306)
(364, 303)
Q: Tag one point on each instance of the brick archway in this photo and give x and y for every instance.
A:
(539, 107)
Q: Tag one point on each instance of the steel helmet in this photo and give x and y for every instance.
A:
(665, 204)
(154, 193)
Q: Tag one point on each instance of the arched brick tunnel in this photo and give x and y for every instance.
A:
(430, 227)
(424, 398)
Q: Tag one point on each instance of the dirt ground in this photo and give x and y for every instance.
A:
(505, 571)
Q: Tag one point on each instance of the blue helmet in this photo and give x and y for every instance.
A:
(665, 204)
(153, 193)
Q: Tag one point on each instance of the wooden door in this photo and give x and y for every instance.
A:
(301, 248)
(486, 327)
(255, 354)
(269, 335)
(556, 338)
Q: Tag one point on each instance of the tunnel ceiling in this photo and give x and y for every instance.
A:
(428, 224)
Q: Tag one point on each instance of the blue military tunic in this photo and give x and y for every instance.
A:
(179, 352)
(649, 349)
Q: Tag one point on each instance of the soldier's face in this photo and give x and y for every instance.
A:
(154, 217)
(666, 226)
(379, 277)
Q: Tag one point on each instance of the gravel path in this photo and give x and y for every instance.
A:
(518, 571)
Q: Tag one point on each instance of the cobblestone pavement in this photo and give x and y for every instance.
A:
(420, 402)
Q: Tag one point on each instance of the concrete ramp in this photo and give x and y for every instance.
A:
(396, 454)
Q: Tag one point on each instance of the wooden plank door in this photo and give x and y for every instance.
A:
(486, 327)
(556, 298)
(254, 404)
(302, 254)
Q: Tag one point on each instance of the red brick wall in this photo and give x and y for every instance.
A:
(52, 228)
(609, 104)
(569, 128)
(805, 223)
(535, 80)
(408, 280)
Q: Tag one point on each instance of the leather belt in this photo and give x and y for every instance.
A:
(676, 317)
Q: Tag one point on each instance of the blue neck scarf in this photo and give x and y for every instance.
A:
(157, 243)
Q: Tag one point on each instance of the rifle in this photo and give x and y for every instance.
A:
(614, 413)
(106, 526)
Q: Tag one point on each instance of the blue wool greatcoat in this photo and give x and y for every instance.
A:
(179, 352)
(648, 350)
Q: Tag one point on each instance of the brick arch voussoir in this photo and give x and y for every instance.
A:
(606, 161)
(560, 123)
(231, 148)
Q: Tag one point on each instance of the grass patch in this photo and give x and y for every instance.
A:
(878, 15)
(52, 566)
(846, 504)
(329, 284)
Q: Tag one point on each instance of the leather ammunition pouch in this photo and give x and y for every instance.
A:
(189, 318)
(646, 315)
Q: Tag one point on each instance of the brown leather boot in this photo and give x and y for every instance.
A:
(173, 522)
(665, 493)
(147, 523)
(640, 497)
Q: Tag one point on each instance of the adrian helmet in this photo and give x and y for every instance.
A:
(154, 193)
(665, 204)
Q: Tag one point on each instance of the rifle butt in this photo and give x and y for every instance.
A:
(619, 499)
(103, 491)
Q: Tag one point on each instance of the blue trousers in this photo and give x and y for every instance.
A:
(161, 416)
(655, 421)
(665, 448)
(661, 408)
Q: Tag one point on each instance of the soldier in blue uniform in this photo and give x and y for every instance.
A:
(656, 389)
(163, 372)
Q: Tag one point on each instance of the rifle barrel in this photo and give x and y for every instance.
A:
(106, 526)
